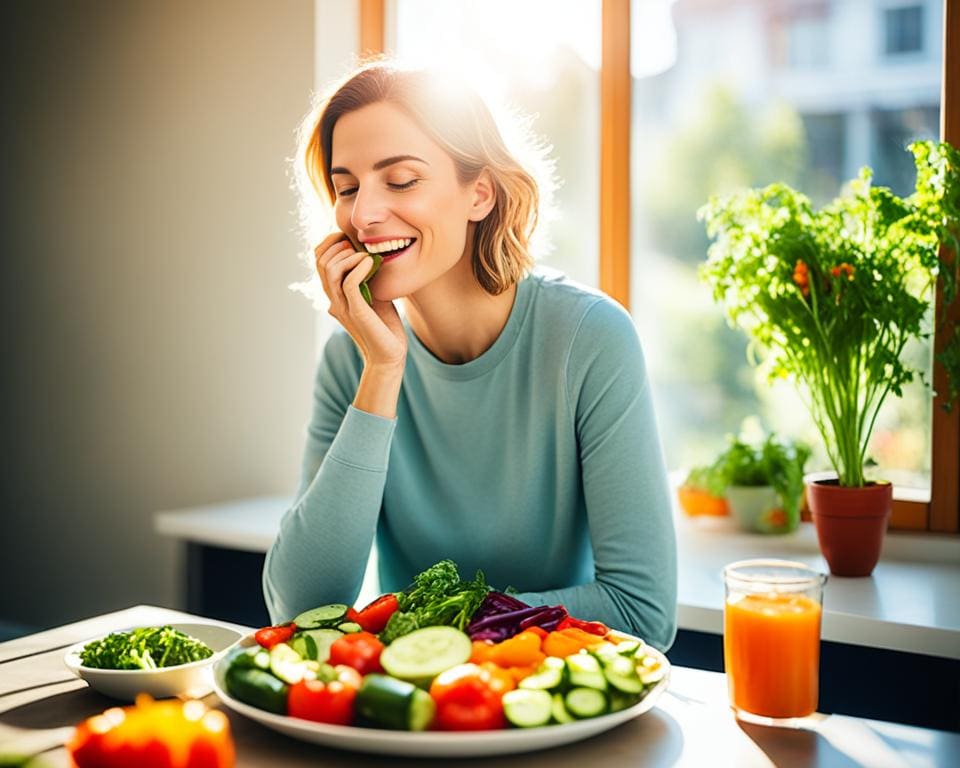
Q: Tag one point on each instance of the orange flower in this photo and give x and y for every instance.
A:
(843, 269)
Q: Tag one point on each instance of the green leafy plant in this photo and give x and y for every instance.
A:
(830, 297)
(776, 463)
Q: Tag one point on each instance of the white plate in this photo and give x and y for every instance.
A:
(193, 680)
(437, 743)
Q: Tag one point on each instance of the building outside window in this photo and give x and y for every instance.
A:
(903, 30)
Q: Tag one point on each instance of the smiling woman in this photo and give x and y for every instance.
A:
(488, 423)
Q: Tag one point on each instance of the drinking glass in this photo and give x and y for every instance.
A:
(771, 639)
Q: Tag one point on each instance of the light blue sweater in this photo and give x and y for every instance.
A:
(538, 462)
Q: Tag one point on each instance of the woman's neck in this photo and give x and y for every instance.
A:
(455, 318)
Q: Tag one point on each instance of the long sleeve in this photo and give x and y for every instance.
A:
(624, 483)
(321, 551)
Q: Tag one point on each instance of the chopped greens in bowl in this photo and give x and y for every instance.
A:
(144, 648)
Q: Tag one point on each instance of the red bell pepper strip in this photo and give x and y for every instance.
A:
(593, 627)
(374, 617)
(270, 636)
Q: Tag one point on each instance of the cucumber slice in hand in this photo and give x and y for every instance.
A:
(425, 653)
(364, 286)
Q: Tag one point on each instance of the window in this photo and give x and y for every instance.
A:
(710, 125)
(542, 57)
(826, 131)
(903, 30)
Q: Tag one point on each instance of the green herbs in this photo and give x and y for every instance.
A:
(774, 463)
(145, 648)
(436, 597)
(831, 297)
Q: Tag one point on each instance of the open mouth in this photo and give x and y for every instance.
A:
(394, 253)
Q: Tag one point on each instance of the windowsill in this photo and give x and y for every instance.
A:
(908, 604)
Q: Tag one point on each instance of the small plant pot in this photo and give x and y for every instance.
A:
(758, 509)
(850, 524)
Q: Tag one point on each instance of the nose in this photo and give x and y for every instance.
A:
(369, 208)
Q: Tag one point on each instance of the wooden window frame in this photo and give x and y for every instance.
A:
(942, 513)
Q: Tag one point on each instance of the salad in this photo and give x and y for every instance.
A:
(443, 654)
(144, 648)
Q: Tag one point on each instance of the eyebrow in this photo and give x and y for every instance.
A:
(381, 164)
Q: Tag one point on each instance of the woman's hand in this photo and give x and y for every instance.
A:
(377, 330)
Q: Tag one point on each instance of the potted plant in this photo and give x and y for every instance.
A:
(763, 485)
(830, 297)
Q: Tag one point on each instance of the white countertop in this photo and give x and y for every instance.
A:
(910, 603)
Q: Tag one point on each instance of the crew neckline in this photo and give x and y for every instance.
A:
(494, 354)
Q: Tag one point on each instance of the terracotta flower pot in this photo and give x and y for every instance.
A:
(850, 524)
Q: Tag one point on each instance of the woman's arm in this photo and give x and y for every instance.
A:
(624, 483)
(321, 551)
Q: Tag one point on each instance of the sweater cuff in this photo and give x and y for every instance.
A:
(363, 440)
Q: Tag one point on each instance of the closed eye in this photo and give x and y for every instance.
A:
(349, 191)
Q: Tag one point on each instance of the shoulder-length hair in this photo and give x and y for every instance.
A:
(455, 117)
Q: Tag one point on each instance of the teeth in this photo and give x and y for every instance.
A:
(388, 245)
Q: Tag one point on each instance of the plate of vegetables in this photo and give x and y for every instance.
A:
(171, 660)
(446, 668)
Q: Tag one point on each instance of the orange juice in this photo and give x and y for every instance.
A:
(771, 650)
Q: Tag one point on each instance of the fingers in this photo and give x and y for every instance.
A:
(351, 283)
(330, 247)
(334, 273)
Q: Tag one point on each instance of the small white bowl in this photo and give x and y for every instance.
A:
(192, 680)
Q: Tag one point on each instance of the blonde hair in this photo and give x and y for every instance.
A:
(457, 119)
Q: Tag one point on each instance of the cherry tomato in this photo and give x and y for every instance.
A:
(374, 617)
(322, 702)
(270, 636)
(360, 650)
(467, 699)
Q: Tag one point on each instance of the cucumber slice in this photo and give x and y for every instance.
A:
(392, 703)
(349, 627)
(621, 673)
(527, 708)
(585, 702)
(585, 672)
(620, 700)
(549, 675)
(364, 286)
(650, 670)
(287, 664)
(425, 653)
(257, 688)
(559, 710)
(326, 616)
(250, 658)
(315, 643)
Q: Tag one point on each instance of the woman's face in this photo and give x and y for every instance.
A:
(394, 183)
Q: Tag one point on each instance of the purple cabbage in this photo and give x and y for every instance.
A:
(501, 616)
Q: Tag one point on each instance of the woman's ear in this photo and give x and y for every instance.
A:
(484, 196)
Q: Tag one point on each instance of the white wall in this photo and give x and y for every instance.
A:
(153, 356)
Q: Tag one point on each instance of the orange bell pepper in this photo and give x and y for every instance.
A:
(521, 650)
(481, 651)
(561, 645)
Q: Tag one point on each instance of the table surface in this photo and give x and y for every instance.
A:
(690, 726)
(908, 604)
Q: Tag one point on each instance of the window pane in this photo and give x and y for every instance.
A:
(743, 94)
(904, 29)
(543, 58)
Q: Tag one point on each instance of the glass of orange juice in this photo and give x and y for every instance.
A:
(771, 639)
